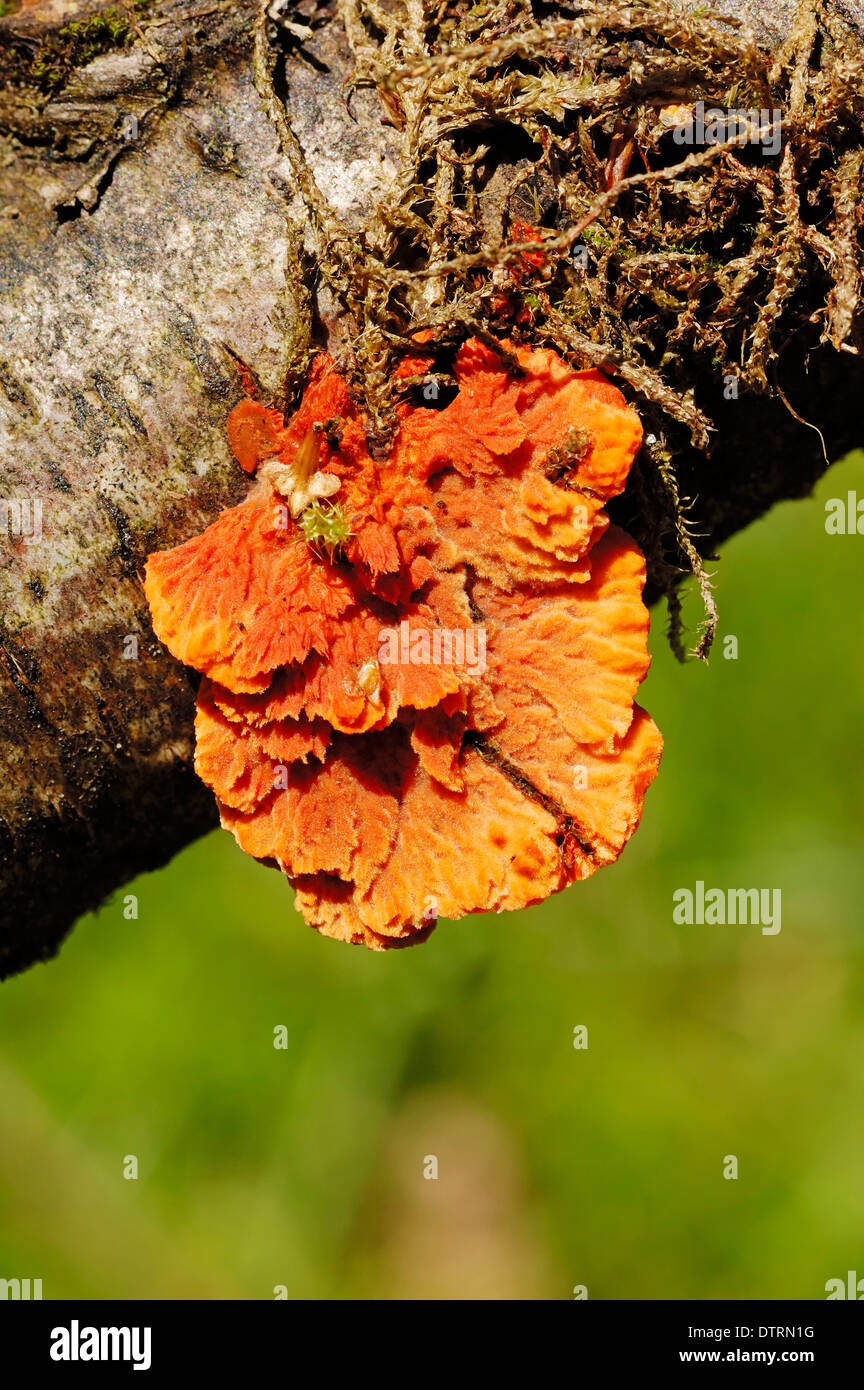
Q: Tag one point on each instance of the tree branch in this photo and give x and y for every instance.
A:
(145, 266)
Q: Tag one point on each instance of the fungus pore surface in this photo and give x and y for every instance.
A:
(419, 671)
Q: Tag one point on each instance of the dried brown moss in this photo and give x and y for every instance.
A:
(664, 265)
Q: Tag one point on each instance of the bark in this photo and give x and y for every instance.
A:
(143, 258)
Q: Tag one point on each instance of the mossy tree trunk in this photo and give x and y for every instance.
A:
(151, 255)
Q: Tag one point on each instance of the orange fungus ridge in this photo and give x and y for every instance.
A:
(432, 714)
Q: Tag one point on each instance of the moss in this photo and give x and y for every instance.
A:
(47, 65)
(93, 35)
(596, 236)
(46, 74)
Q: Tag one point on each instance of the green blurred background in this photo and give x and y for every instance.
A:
(303, 1167)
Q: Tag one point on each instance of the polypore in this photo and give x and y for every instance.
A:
(389, 791)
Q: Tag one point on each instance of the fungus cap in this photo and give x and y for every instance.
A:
(437, 716)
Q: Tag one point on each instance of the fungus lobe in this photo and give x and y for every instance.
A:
(433, 711)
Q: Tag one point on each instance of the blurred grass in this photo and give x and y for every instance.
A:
(303, 1167)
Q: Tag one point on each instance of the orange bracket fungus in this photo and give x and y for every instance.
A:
(419, 671)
